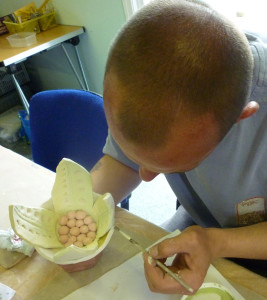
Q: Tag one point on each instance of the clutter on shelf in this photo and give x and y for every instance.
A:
(29, 18)
(3, 28)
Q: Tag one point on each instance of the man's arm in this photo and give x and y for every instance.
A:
(109, 175)
(197, 247)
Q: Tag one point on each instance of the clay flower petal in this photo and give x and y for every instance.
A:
(72, 191)
(35, 225)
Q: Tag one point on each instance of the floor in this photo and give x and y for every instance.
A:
(153, 201)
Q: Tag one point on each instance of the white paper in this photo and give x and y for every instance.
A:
(128, 282)
(6, 293)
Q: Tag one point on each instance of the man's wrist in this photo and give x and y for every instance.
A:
(219, 242)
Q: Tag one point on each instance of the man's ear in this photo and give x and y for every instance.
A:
(251, 108)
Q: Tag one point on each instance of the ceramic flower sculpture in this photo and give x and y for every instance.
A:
(72, 191)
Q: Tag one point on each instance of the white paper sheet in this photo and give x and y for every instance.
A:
(128, 282)
(6, 293)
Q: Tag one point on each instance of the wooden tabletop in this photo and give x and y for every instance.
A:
(26, 183)
(45, 40)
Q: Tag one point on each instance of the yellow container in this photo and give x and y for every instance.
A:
(43, 23)
(28, 26)
(47, 21)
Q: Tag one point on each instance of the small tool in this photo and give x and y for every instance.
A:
(160, 264)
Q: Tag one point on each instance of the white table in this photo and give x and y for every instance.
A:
(24, 182)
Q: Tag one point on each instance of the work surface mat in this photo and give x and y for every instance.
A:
(128, 282)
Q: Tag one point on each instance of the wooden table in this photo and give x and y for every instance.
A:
(24, 182)
(46, 40)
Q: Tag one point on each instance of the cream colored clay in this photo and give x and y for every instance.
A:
(63, 220)
(79, 223)
(71, 214)
(71, 223)
(87, 241)
(80, 214)
(75, 231)
(63, 230)
(77, 226)
(91, 234)
(88, 219)
(68, 244)
(92, 227)
(72, 196)
(84, 229)
(72, 239)
(78, 244)
(63, 238)
(81, 237)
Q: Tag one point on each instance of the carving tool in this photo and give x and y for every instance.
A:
(158, 263)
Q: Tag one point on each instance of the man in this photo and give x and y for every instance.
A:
(179, 92)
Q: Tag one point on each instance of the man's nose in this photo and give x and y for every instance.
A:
(147, 175)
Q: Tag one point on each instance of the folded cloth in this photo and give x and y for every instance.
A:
(8, 259)
(11, 242)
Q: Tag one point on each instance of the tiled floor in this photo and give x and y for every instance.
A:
(153, 201)
(21, 147)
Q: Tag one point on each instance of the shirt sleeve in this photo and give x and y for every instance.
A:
(112, 149)
(258, 48)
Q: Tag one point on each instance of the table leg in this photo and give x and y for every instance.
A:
(73, 68)
(81, 66)
(21, 94)
(12, 71)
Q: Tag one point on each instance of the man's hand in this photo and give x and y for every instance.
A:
(196, 248)
(193, 257)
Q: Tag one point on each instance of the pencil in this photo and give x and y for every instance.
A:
(158, 263)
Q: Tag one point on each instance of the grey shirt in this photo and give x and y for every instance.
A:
(231, 183)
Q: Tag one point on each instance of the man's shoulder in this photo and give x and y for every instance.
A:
(254, 36)
(258, 45)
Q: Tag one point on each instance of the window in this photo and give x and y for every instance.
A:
(247, 13)
(131, 6)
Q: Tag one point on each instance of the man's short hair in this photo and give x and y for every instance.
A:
(178, 57)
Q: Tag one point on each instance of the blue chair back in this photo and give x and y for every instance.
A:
(67, 123)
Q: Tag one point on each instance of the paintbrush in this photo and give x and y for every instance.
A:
(158, 263)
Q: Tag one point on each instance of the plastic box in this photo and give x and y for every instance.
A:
(28, 26)
(22, 39)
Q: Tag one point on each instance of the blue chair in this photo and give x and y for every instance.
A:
(68, 123)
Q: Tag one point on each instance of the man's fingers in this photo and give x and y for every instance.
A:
(166, 248)
(159, 281)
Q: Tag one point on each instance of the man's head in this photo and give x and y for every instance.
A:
(176, 65)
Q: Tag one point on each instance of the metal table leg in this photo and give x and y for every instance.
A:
(75, 41)
(81, 66)
(12, 69)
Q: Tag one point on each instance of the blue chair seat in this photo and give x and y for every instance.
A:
(68, 123)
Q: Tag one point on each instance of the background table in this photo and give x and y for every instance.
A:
(24, 182)
(46, 40)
